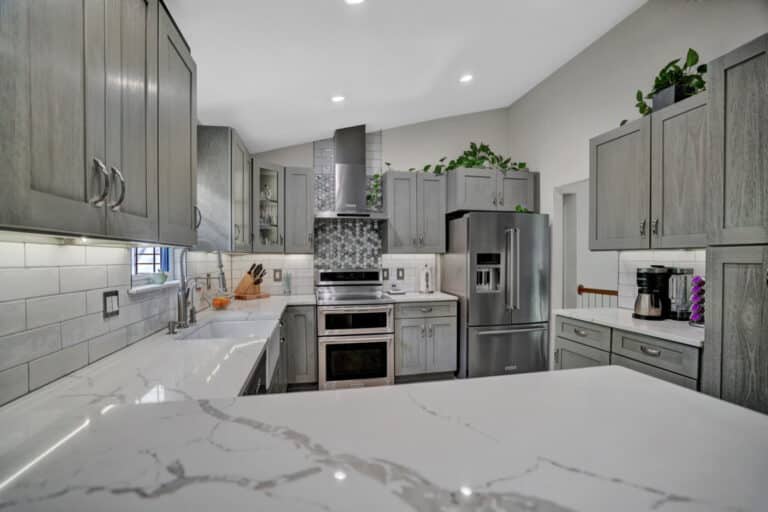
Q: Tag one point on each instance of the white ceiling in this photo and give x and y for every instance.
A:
(269, 67)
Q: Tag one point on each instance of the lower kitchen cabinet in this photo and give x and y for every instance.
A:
(300, 344)
(735, 356)
(653, 371)
(569, 354)
(425, 345)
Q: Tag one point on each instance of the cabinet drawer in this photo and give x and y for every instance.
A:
(668, 355)
(654, 372)
(425, 309)
(569, 354)
(586, 333)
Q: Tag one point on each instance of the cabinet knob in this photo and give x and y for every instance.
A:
(501, 199)
(494, 201)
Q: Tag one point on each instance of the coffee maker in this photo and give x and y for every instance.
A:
(652, 302)
(680, 293)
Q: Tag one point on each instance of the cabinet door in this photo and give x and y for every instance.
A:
(177, 148)
(410, 346)
(299, 210)
(472, 189)
(431, 209)
(402, 211)
(301, 344)
(735, 355)
(575, 355)
(516, 188)
(52, 140)
(442, 345)
(268, 192)
(738, 144)
(620, 187)
(678, 168)
(241, 194)
(132, 118)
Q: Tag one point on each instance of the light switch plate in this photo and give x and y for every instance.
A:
(385, 274)
(277, 275)
(111, 303)
(400, 274)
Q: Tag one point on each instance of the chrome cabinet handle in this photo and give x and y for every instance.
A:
(423, 331)
(99, 200)
(650, 351)
(580, 332)
(430, 332)
(281, 239)
(494, 200)
(642, 227)
(425, 310)
(198, 216)
(237, 232)
(655, 227)
(282, 340)
(421, 240)
(501, 199)
(117, 204)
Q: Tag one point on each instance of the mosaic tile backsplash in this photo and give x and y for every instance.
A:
(347, 243)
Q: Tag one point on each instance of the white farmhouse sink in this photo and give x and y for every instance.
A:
(214, 329)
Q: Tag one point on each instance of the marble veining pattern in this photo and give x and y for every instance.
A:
(559, 441)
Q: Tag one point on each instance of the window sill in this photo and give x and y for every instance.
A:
(149, 288)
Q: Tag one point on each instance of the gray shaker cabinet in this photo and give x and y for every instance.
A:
(223, 190)
(177, 137)
(620, 187)
(737, 181)
(52, 97)
(131, 108)
(415, 206)
(569, 354)
(410, 346)
(678, 180)
(268, 194)
(491, 190)
(299, 210)
(442, 345)
(517, 188)
(735, 355)
(426, 343)
(300, 348)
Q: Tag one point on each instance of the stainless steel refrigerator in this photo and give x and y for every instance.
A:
(498, 265)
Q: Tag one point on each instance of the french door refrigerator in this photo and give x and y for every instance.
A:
(498, 266)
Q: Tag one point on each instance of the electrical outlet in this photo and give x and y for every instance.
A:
(277, 275)
(111, 302)
(385, 274)
(400, 274)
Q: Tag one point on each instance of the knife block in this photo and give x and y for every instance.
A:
(246, 290)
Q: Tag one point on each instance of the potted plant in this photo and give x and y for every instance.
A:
(674, 83)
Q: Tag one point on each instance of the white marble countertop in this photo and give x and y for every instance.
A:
(423, 297)
(591, 439)
(672, 330)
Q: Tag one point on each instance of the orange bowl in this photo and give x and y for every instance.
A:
(220, 303)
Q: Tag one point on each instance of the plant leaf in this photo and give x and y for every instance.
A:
(702, 68)
(692, 58)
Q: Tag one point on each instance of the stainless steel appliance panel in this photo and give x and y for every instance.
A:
(355, 320)
(509, 349)
(356, 361)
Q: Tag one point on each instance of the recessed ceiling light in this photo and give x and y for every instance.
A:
(354, 2)
(466, 78)
(337, 99)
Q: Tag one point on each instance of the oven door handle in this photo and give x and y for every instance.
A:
(355, 309)
(346, 340)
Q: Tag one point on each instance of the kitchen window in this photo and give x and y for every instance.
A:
(150, 266)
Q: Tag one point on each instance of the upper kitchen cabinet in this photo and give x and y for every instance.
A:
(491, 190)
(223, 190)
(678, 168)
(735, 355)
(620, 187)
(177, 149)
(299, 210)
(53, 150)
(131, 108)
(737, 180)
(268, 207)
(415, 206)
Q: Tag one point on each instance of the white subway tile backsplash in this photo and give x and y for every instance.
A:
(14, 382)
(11, 254)
(48, 310)
(13, 317)
(107, 256)
(73, 279)
(118, 275)
(44, 255)
(105, 345)
(83, 328)
(51, 367)
(630, 261)
(21, 283)
(20, 348)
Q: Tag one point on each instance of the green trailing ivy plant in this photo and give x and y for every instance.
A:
(477, 156)
(674, 74)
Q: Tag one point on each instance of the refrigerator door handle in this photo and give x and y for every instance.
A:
(512, 331)
(512, 270)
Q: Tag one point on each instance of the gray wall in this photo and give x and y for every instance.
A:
(551, 125)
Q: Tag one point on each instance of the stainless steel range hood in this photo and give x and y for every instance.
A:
(351, 180)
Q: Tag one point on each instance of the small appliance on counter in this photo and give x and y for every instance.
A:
(425, 280)
(652, 302)
(680, 293)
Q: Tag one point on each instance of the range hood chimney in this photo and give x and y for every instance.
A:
(351, 180)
